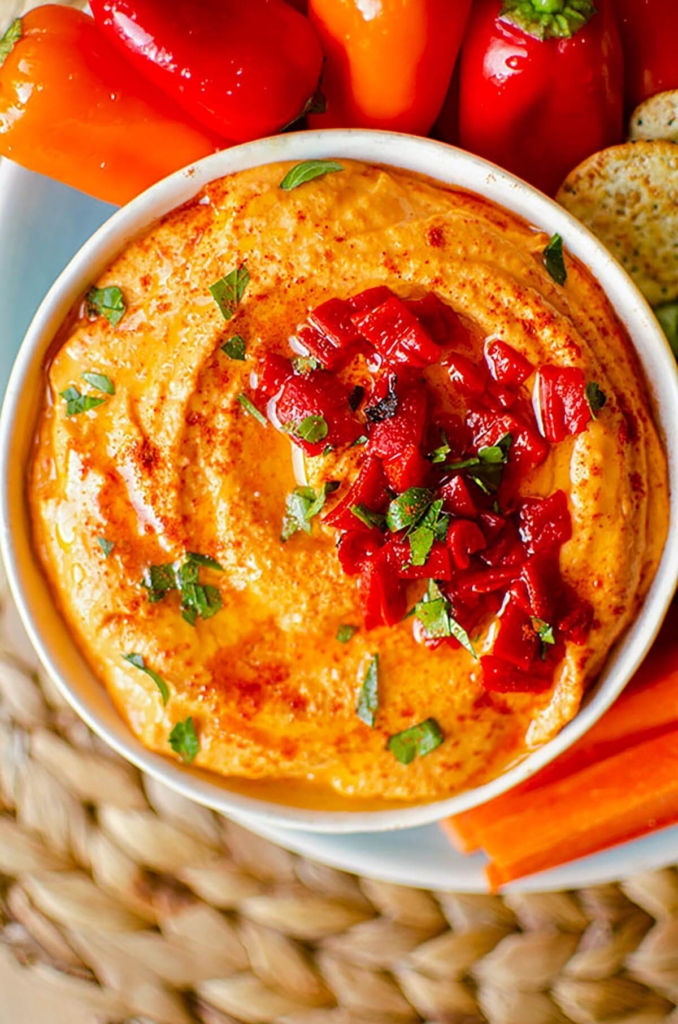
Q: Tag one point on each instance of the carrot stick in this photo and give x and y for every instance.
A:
(648, 708)
(625, 796)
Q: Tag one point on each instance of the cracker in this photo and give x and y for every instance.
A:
(656, 118)
(628, 196)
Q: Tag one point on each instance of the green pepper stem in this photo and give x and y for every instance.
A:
(548, 19)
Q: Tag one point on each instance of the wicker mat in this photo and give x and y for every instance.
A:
(120, 901)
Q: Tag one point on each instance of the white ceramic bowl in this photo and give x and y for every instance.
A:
(53, 642)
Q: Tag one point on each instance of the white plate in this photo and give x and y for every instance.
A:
(42, 224)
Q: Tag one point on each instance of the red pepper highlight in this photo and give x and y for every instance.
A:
(649, 30)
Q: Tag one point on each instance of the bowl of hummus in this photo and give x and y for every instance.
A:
(339, 481)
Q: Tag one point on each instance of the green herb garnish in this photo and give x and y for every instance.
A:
(77, 403)
(197, 599)
(308, 171)
(184, 741)
(486, 468)
(302, 505)
(209, 563)
(235, 347)
(545, 633)
(108, 302)
(138, 662)
(368, 517)
(595, 397)
(554, 260)
(99, 381)
(433, 526)
(407, 509)
(305, 364)
(228, 291)
(368, 701)
(418, 740)
(10, 39)
(439, 454)
(105, 545)
(312, 429)
(434, 613)
(346, 633)
(251, 408)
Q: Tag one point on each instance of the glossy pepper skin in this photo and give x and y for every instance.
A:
(540, 107)
(71, 108)
(649, 31)
(388, 62)
(243, 69)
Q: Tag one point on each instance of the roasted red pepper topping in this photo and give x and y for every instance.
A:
(439, 494)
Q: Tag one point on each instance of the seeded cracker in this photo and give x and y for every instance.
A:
(656, 118)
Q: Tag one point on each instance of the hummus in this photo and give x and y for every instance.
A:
(173, 462)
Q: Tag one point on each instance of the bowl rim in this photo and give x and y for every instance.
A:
(61, 657)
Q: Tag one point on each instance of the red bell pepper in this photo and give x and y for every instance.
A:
(507, 366)
(332, 321)
(272, 374)
(397, 335)
(389, 437)
(242, 69)
(317, 396)
(464, 538)
(439, 319)
(436, 567)
(528, 449)
(649, 30)
(382, 594)
(469, 377)
(458, 499)
(561, 398)
(408, 468)
(539, 106)
(370, 489)
(545, 522)
(517, 641)
(356, 547)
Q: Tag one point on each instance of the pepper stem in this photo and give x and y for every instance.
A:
(9, 40)
(548, 19)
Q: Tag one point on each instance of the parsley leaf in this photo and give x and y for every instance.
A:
(368, 701)
(595, 397)
(433, 611)
(346, 632)
(408, 508)
(105, 545)
(308, 171)
(554, 260)
(251, 408)
(304, 365)
(77, 403)
(302, 505)
(209, 563)
(184, 741)
(235, 347)
(228, 291)
(10, 39)
(387, 407)
(312, 429)
(368, 517)
(485, 468)
(138, 662)
(196, 599)
(108, 302)
(99, 381)
(418, 740)
(545, 633)
(439, 455)
(159, 580)
(363, 439)
(432, 527)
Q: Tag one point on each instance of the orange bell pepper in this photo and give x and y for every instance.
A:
(388, 62)
(71, 108)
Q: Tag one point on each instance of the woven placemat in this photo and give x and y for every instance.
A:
(120, 901)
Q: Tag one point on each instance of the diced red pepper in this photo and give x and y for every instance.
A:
(561, 399)
(501, 676)
(397, 334)
(542, 584)
(500, 397)
(464, 538)
(492, 525)
(437, 567)
(517, 641)
(439, 319)
(456, 434)
(407, 469)
(485, 581)
(469, 377)
(272, 374)
(318, 395)
(389, 437)
(320, 347)
(528, 449)
(356, 547)
(369, 489)
(458, 499)
(545, 522)
(507, 366)
(382, 593)
(333, 320)
(369, 299)
(507, 549)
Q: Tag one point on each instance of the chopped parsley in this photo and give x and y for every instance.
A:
(197, 599)
(595, 397)
(486, 468)
(228, 291)
(368, 700)
(346, 632)
(418, 740)
(108, 302)
(304, 365)
(138, 662)
(433, 526)
(77, 403)
(308, 171)
(183, 740)
(10, 39)
(368, 517)
(545, 633)
(554, 260)
(408, 508)
(105, 545)
(434, 613)
(251, 409)
(235, 347)
(312, 429)
(439, 454)
(209, 563)
(387, 407)
(99, 381)
(302, 505)
(363, 439)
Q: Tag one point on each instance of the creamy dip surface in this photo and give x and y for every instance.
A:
(173, 463)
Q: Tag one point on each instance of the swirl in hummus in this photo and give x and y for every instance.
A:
(188, 459)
